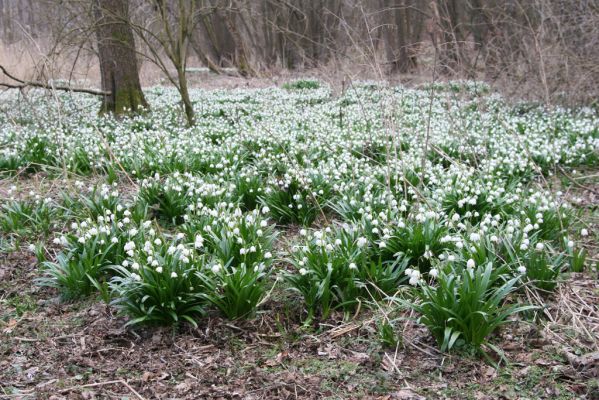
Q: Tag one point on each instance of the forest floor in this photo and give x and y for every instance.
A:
(82, 350)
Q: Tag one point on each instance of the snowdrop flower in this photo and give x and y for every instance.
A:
(199, 241)
(159, 270)
(362, 241)
(522, 269)
(570, 244)
(584, 232)
(470, 264)
(434, 273)
(173, 274)
(268, 255)
(135, 266)
(539, 246)
(303, 271)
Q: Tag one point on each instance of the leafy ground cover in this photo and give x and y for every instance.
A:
(385, 242)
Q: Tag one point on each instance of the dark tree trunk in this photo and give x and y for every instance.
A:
(118, 60)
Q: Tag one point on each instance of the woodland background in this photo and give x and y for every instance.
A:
(546, 50)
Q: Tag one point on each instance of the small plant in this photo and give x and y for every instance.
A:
(89, 252)
(339, 270)
(290, 203)
(78, 272)
(100, 200)
(239, 240)
(300, 84)
(577, 259)
(387, 334)
(23, 217)
(247, 190)
(419, 241)
(466, 307)
(159, 285)
(234, 291)
(543, 270)
(169, 203)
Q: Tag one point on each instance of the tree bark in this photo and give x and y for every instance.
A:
(118, 60)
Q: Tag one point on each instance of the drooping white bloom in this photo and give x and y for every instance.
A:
(584, 232)
(470, 264)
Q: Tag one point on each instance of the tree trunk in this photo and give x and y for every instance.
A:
(118, 60)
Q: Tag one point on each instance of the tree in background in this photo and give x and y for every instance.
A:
(118, 58)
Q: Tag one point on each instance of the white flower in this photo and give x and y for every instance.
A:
(303, 271)
(268, 255)
(159, 270)
(584, 232)
(540, 246)
(215, 268)
(522, 269)
(135, 266)
(470, 263)
(303, 232)
(362, 242)
(173, 274)
(199, 241)
(414, 280)
(382, 245)
(434, 273)
(352, 266)
(528, 228)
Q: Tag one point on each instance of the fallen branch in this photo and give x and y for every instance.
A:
(23, 84)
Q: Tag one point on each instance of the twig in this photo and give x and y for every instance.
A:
(121, 381)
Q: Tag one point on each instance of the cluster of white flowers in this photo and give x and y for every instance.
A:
(472, 186)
